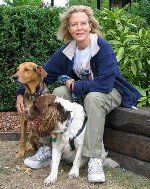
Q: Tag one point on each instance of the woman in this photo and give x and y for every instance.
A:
(91, 63)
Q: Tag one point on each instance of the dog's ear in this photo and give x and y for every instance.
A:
(42, 72)
(44, 101)
(39, 102)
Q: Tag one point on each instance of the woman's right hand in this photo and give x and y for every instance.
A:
(20, 105)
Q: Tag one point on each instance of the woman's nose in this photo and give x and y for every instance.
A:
(79, 26)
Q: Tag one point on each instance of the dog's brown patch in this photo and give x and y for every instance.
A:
(48, 112)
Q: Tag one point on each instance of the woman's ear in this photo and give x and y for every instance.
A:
(90, 24)
(68, 29)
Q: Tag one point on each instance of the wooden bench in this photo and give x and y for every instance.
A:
(127, 138)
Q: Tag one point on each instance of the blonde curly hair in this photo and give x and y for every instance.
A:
(63, 32)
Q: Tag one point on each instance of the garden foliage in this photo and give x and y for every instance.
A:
(23, 2)
(130, 38)
(29, 34)
(141, 8)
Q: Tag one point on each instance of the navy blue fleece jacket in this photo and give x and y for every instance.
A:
(104, 67)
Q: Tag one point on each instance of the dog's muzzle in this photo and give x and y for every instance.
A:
(15, 78)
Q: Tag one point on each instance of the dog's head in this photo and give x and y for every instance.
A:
(29, 72)
(48, 112)
(41, 106)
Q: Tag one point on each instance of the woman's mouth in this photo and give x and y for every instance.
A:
(80, 34)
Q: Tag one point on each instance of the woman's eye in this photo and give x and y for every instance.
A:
(73, 25)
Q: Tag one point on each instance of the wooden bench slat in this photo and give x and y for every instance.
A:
(136, 146)
(132, 164)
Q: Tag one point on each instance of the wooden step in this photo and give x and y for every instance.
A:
(133, 145)
(130, 120)
(132, 164)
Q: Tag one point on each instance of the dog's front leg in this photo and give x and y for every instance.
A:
(74, 172)
(22, 141)
(56, 156)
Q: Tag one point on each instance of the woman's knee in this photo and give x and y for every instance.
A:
(94, 97)
(94, 100)
(59, 90)
(62, 92)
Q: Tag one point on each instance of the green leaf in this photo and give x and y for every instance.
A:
(126, 60)
(142, 91)
(133, 68)
(115, 42)
(148, 61)
(120, 53)
(141, 32)
(142, 101)
(139, 62)
(134, 47)
(132, 37)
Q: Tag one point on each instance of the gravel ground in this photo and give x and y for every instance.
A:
(9, 122)
(14, 175)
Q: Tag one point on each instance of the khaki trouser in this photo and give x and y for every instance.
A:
(96, 105)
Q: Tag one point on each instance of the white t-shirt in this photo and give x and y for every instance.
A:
(82, 63)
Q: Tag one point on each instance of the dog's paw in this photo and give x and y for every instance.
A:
(21, 154)
(74, 173)
(31, 149)
(51, 179)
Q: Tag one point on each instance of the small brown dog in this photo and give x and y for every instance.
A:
(31, 76)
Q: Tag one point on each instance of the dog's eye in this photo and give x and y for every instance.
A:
(26, 69)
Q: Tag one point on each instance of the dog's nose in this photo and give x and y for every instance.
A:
(15, 77)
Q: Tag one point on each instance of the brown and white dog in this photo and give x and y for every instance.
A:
(31, 76)
(64, 122)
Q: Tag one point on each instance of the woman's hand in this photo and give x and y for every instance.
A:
(20, 105)
(70, 84)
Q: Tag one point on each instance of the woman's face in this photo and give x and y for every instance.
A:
(79, 28)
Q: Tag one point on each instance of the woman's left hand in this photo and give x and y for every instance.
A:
(70, 84)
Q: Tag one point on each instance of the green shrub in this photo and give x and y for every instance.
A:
(142, 9)
(27, 34)
(23, 2)
(131, 43)
(90, 3)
